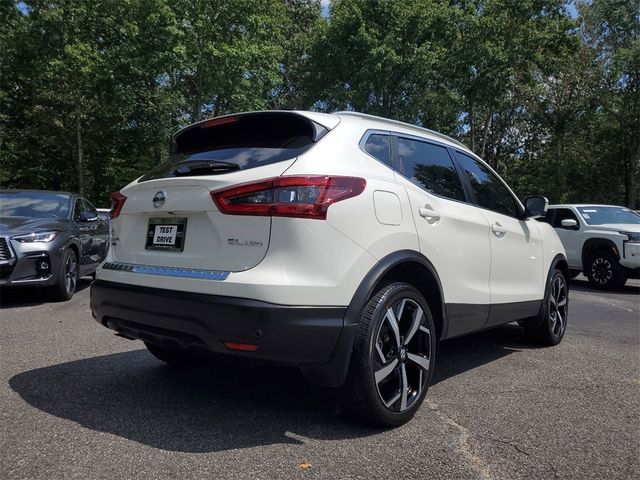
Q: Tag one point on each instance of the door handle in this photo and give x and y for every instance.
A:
(498, 230)
(428, 213)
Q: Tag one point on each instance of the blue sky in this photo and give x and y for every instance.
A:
(325, 7)
(571, 8)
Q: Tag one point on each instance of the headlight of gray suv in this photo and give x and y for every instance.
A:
(37, 237)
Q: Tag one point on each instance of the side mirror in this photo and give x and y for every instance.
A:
(535, 207)
(88, 217)
(569, 224)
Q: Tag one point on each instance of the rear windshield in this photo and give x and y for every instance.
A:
(226, 144)
(34, 204)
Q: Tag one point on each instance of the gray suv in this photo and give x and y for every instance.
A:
(49, 239)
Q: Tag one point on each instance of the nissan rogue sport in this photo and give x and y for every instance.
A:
(344, 244)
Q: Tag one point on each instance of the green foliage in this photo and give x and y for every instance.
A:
(91, 92)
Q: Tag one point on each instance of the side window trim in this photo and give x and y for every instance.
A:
(464, 179)
(467, 182)
(396, 164)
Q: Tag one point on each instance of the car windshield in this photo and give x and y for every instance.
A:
(34, 204)
(608, 215)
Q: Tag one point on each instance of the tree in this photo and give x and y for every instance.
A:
(386, 58)
(612, 27)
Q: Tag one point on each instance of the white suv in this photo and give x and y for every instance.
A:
(602, 241)
(344, 244)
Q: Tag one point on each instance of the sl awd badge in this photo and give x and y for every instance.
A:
(159, 199)
(246, 243)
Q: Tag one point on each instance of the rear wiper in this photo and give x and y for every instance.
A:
(205, 168)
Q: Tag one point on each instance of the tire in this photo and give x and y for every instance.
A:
(67, 277)
(604, 271)
(383, 361)
(549, 327)
(171, 356)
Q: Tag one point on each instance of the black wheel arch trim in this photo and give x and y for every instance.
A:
(334, 373)
(377, 273)
(567, 275)
(594, 244)
(76, 243)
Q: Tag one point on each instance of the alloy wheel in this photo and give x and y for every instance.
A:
(402, 355)
(601, 271)
(558, 306)
(71, 273)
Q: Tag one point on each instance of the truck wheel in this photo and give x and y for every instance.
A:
(604, 270)
(393, 357)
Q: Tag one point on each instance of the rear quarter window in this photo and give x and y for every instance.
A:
(379, 146)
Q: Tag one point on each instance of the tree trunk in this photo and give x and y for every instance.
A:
(630, 169)
(485, 133)
(197, 108)
(472, 129)
(561, 174)
(197, 100)
(157, 154)
(81, 188)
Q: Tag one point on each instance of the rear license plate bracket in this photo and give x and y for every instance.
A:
(166, 233)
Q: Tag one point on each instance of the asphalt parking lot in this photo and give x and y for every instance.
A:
(79, 402)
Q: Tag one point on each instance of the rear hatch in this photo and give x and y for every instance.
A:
(169, 218)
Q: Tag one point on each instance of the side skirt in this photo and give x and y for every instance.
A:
(466, 318)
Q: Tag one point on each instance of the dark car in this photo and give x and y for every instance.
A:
(49, 239)
(105, 213)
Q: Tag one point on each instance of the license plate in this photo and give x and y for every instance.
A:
(166, 234)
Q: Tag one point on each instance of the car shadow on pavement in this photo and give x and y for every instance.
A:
(15, 297)
(462, 354)
(581, 284)
(220, 406)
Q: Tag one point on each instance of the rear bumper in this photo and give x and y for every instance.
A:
(300, 336)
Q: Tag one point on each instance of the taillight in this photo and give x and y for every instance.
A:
(117, 201)
(303, 197)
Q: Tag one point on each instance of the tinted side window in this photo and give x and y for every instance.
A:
(90, 208)
(548, 218)
(78, 209)
(430, 167)
(489, 190)
(562, 214)
(379, 146)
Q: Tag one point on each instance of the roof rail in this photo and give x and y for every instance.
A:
(402, 124)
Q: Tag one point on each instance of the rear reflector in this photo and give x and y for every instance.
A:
(117, 201)
(245, 347)
(301, 197)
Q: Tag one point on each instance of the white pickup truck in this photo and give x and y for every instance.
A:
(602, 241)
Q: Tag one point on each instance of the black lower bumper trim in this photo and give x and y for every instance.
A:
(293, 335)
